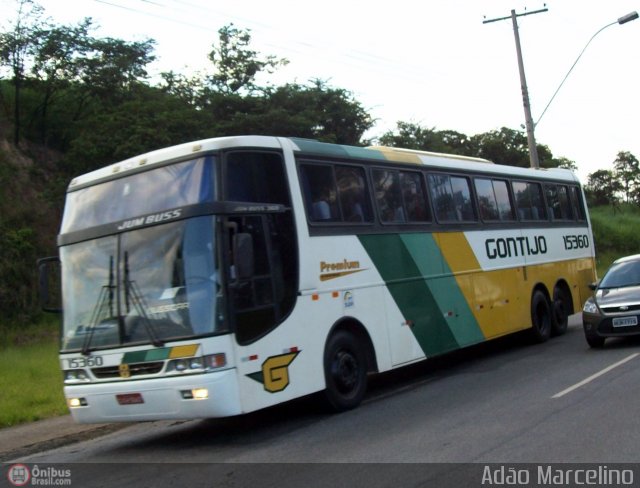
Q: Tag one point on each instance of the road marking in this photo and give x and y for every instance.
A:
(594, 376)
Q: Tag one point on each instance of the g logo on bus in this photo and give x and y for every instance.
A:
(275, 372)
(124, 371)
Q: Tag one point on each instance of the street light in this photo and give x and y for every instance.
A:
(622, 20)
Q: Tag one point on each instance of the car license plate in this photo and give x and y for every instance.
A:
(129, 398)
(625, 321)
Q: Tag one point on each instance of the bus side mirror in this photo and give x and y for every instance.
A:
(49, 276)
(243, 255)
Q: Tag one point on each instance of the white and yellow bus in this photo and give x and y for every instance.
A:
(227, 275)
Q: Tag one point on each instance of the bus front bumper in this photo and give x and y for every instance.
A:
(185, 397)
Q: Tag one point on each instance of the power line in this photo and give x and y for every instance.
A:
(365, 61)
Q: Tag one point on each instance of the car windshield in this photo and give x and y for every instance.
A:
(148, 285)
(623, 274)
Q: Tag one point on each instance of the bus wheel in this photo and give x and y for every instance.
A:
(345, 371)
(560, 312)
(541, 318)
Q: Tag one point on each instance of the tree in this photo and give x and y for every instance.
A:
(113, 68)
(567, 164)
(627, 172)
(236, 65)
(58, 58)
(409, 135)
(504, 146)
(15, 46)
(602, 188)
(318, 111)
(151, 120)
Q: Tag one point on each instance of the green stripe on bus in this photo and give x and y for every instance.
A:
(430, 261)
(148, 355)
(336, 150)
(410, 292)
(403, 261)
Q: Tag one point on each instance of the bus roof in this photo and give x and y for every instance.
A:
(439, 160)
(311, 147)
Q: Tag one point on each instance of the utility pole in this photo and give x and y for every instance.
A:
(531, 139)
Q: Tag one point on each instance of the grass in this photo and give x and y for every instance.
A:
(615, 232)
(30, 377)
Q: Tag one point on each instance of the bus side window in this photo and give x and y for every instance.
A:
(386, 185)
(442, 194)
(320, 192)
(486, 199)
(576, 203)
(565, 205)
(505, 206)
(529, 201)
(414, 195)
(256, 177)
(352, 191)
(452, 198)
(558, 201)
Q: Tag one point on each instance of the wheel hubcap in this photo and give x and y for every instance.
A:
(345, 371)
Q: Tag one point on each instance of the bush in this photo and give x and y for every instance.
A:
(615, 231)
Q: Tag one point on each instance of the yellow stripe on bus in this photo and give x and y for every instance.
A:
(185, 351)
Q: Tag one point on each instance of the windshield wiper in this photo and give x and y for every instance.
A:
(104, 303)
(131, 291)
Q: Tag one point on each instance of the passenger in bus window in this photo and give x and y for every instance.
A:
(321, 207)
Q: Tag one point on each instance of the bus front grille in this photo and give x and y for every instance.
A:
(129, 370)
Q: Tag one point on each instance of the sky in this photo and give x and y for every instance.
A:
(433, 62)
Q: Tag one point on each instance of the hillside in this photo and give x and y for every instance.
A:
(31, 198)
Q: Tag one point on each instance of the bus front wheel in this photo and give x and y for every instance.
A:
(345, 371)
(541, 318)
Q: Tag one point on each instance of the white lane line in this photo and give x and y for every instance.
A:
(594, 376)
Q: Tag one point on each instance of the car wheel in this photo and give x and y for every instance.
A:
(594, 341)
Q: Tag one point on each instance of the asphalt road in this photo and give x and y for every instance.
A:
(504, 402)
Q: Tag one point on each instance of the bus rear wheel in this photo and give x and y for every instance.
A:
(345, 371)
(560, 312)
(541, 318)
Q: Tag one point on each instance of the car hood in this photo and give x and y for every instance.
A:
(616, 297)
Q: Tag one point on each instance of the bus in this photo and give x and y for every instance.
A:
(227, 275)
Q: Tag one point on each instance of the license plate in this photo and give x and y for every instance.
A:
(625, 322)
(129, 398)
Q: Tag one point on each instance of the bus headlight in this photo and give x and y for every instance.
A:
(75, 376)
(198, 364)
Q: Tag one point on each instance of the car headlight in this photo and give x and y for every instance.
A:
(590, 306)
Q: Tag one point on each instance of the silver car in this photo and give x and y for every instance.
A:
(614, 308)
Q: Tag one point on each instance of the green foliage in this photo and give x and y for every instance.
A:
(602, 188)
(413, 136)
(151, 120)
(616, 230)
(504, 146)
(237, 65)
(627, 172)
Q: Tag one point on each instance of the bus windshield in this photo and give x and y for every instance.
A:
(148, 285)
(141, 283)
(164, 188)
